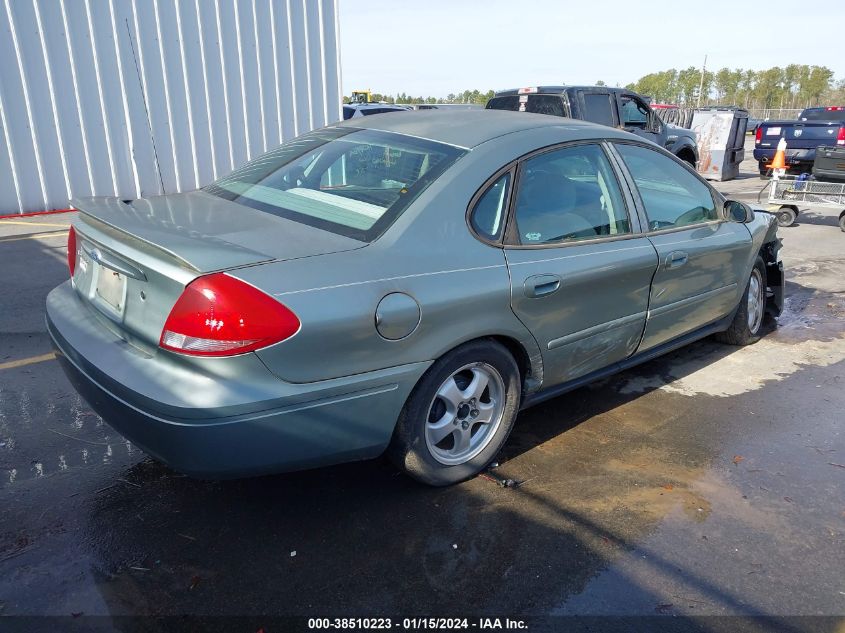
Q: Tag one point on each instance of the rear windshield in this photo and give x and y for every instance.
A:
(823, 114)
(539, 104)
(348, 181)
(368, 111)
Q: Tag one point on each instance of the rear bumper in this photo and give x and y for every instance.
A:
(254, 423)
(792, 156)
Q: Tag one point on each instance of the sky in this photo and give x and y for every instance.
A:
(436, 47)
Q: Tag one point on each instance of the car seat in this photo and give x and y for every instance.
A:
(546, 210)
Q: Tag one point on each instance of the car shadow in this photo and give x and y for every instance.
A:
(360, 538)
(817, 218)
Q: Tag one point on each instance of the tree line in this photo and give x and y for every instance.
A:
(795, 86)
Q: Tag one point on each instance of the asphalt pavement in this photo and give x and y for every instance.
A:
(710, 482)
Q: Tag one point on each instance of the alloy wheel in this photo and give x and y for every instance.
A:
(755, 301)
(465, 413)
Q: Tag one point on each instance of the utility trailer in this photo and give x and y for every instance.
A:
(787, 194)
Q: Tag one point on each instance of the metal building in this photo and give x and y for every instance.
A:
(137, 98)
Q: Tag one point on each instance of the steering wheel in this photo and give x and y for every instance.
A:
(295, 176)
(693, 216)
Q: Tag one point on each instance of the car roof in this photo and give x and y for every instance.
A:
(469, 128)
(373, 105)
(558, 90)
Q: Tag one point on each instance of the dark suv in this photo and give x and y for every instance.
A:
(614, 107)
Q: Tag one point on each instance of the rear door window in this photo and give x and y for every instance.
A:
(598, 108)
(569, 194)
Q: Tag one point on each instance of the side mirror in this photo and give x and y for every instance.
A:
(738, 211)
(656, 125)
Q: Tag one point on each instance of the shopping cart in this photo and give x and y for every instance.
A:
(787, 194)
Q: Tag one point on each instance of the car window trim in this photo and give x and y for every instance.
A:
(632, 200)
(511, 239)
(636, 98)
(614, 110)
(509, 168)
(635, 192)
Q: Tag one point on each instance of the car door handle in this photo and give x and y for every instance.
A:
(541, 285)
(676, 259)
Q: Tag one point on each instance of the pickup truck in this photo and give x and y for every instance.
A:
(814, 127)
(614, 107)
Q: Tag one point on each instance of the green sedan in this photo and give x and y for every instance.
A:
(403, 284)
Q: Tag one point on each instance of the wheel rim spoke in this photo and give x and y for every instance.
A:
(462, 441)
(438, 431)
(450, 394)
(479, 383)
(486, 411)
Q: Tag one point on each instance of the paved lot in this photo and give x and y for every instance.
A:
(709, 482)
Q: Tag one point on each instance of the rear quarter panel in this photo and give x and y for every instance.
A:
(461, 284)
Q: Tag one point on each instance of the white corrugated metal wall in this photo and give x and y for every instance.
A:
(115, 97)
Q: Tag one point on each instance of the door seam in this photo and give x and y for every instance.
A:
(541, 378)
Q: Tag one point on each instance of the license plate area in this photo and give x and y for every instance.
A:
(109, 290)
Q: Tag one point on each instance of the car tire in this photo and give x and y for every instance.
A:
(441, 436)
(747, 323)
(786, 216)
(684, 156)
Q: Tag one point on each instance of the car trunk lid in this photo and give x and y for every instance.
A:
(207, 233)
(136, 257)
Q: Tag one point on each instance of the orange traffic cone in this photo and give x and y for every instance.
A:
(779, 161)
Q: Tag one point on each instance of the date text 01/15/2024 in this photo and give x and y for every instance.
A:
(414, 624)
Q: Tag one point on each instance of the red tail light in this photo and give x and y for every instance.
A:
(758, 136)
(218, 315)
(840, 138)
(71, 250)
